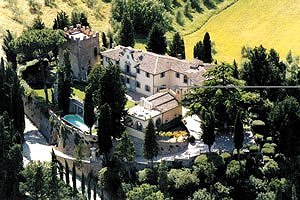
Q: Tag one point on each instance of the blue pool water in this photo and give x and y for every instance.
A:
(76, 121)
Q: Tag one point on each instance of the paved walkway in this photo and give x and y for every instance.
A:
(36, 148)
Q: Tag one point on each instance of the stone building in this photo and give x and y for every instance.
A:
(163, 108)
(83, 44)
(147, 73)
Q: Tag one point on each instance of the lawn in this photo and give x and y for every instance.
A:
(129, 104)
(41, 93)
(273, 23)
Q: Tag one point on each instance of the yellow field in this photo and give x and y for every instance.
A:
(273, 23)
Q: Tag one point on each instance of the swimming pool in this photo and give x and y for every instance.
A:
(76, 121)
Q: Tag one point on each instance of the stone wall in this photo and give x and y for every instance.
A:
(37, 113)
(169, 148)
(69, 139)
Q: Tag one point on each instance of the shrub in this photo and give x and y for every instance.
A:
(203, 194)
(182, 182)
(259, 139)
(179, 18)
(258, 126)
(147, 175)
(270, 169)
(254, 149)
(226, 157)
(145, 191)
(235, 170)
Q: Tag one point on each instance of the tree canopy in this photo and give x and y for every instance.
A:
(157, 42)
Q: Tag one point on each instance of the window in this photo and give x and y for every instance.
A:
(177, 75)
(127, 80)
(139, 126)
(147, 74)
(138, 84)
(127, 68)
(95, 51)
(147, 88)
(158, 123)
(185, 79)
(129, 122)
(162, 74)
(138, 70)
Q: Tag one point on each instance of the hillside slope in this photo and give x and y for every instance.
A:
(16, 18)
(273, 23)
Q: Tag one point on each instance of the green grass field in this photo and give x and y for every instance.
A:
(272, 23)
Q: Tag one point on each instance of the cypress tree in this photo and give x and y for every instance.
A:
(61, 171)
(238, 133)
(198, 50)
(82, 184)
(150, 144)
(89, 186)
(104, 40)
(157, 42)
(127, 32)
(67, 173)
(95, 192)
(61, 21)
(38, 23)
(208, 128)
(235, 70)
(207, 56)
(64, 84)
(11, 56)
(177, 46)
(74, 179)
(89, 114)
(104, 130)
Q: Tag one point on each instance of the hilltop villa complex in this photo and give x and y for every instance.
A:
(146, 73)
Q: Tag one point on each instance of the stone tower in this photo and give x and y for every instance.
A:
(83, 44)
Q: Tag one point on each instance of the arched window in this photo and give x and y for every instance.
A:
(128, 122)
(158, 123)
(185, 79)
(139, 126)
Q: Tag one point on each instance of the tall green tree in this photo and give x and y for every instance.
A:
(238, 133)
(104, 40)
(104, 131)
(11, 56)
(262, 68)
(124, 149)
(74, 179)
(65, 84)
(61, 21)
(285, 124)
(67, 169)
(198, 50)
(38, 23)
(157, 42)
(37, 44)
(79, 18)
(223, 101)
(151, 147)
(82, 183)
(207, 56)
(127, 32)
(89, 110)
(11, 159)
(177, 46)
(208, 128)
(11, 98)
